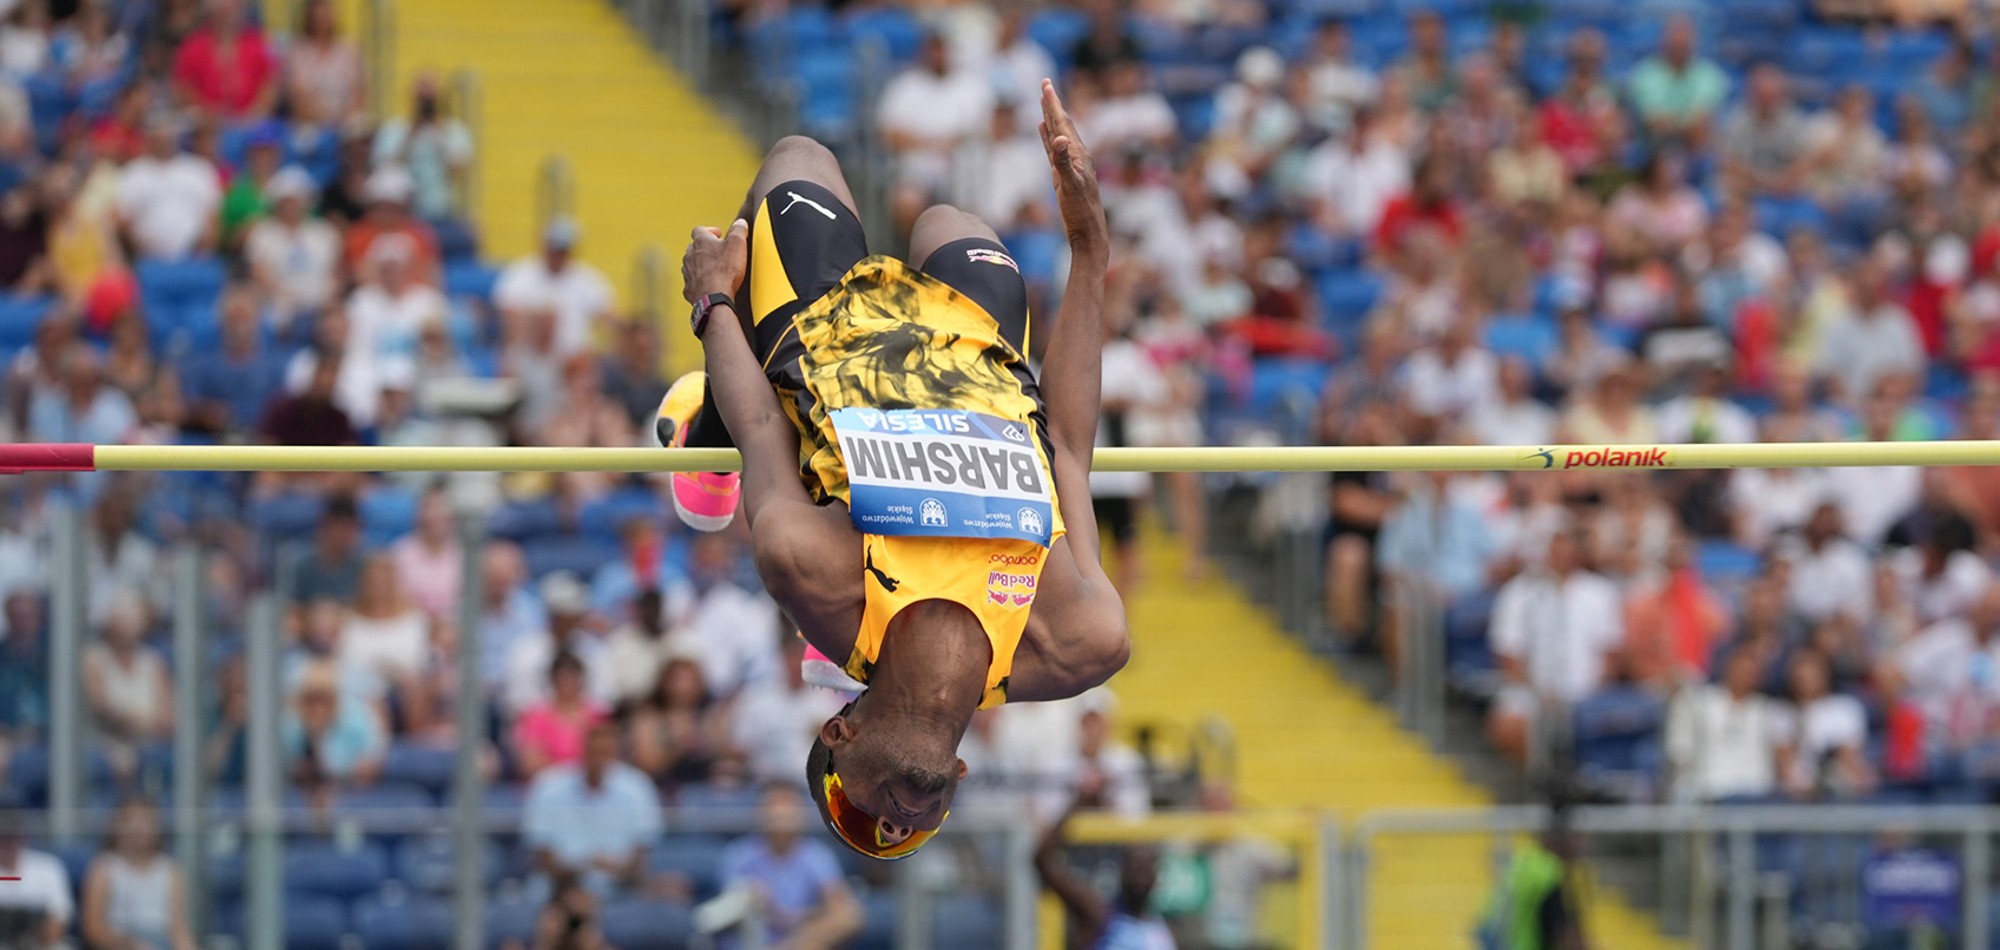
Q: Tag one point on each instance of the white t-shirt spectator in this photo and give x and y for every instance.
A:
(357, 391)
(43, 886)
(1873, 499)
(298, 264)
(579, 824)
(1773, 501)
(1560, 630)
(1952, 591)
(386, 325)
(1834, 580)
(579, 296)
(733, 634)
(1435, 387)
(168, 203)
(938, 112)
(1355, 183)
(1516, 422)
(1017, 71)
(391, 647)
(1721, 746)
(774, 723)
(1858, 351)
(1822, 727)
(997, 179)
(1946, 667)
(1127, 121)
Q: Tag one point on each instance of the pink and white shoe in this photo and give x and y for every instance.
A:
(816, 669)
(705, 501)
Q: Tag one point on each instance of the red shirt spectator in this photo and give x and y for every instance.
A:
(388, 192)
(1427, 204)
(225, 68)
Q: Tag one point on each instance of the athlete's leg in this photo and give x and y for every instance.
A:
(961, 249)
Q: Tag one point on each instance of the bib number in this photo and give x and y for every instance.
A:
(944, 473)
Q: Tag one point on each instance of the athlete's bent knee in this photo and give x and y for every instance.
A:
(799, 149)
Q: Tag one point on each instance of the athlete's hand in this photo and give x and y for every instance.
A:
(1075, 175)
(715, 260)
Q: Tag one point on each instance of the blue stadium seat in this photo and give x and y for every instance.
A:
(579, 555)
(1617, 741)
(196, 280)
(469, 279)
(383, 796)
(1722, 562)
(457, 243)
(1058, 29)
(605, 517)
(1532, 340)
(19, 318)
(429, 864)
(966, 922)
(695, 857)
(716, 797)
(878, 921)
(1277, 383)
(311, 923)
(1348, 295)
(388, 512)
(319, 869)
(895, 28)
(647, 925)
(289, 515)
(426, 767)
(509, 923)
(27, 775)
(523, 521)
(824, 77)
(406, 924)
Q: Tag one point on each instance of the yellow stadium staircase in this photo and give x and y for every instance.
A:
(649, 158)
(1305, 739)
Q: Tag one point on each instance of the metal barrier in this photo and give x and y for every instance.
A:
(555, 192)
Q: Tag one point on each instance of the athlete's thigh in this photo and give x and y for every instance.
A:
(961, 250)
(803, 240)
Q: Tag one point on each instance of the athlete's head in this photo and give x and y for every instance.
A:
(883, 783)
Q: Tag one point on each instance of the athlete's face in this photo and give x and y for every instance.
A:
(890, 777)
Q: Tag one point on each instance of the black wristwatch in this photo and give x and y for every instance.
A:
(705, 305)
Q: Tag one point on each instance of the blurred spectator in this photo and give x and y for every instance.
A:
(1722, 736)
(312, 416)
(83, 409)
(1351, 179)
(89, 48)
(1570, 117)
(679, 734)
(1428, 208)
(1611, 412)
(530, 657)
(1829, 572)
(294, 257)
(924, 114)
(389, 636)
(35, 905)
(1673, 622)
(1770, 503)
(24, 671)
(1109, 41)
(1426, 71)
(1253, 122)
(1660, 213)
(344, 200)
(1944, 90)
(802, 898)
(1449, 379)
(224, 68)
(358, 381)
(125, 682)
(390, 306)
(227, 388)
(1437, 540)
(571, 292)
(1511, 415)
(1127, 920)
(593, 819)
(1103, 774)
(1915, 162)
(1822, 737)
(1869, 340)
(775, 719)
(630, 373)
(1357, 504)
(429, 561)
(434, 146)
(571, 920)
(1763, 141)
(331, 739)
(1340, 86)
(1132, 115)
(1018, 65)
(1874, 498)
(1556, 632)
(730, 630)
(1705, 414)
(509, 614)
(168, 197)
(1132, 385)
(1846, 153)
(1535, 902)
(1676, 91)
(245, 201)
(1948, 669)
(24, 244)
(133, 895)
(552, 731)
(636, 649)
(325, 82)
(119, 560)
(332, 567)
(387, 193)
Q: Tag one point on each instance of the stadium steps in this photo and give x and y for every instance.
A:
(1305, 739)
(650, 159)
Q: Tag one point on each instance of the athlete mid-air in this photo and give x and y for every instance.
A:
(918, 502)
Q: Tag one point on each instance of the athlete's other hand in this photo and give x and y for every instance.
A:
(715, 260)
(1075, 175)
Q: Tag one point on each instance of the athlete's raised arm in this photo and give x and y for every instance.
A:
(1071, 378)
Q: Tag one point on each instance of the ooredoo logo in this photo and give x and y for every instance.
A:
(1615, 458)
(1015, 559)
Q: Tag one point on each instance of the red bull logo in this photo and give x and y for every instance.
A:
(1615, 458)
(1006, 588)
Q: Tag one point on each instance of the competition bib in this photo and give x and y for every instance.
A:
(943, 473)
